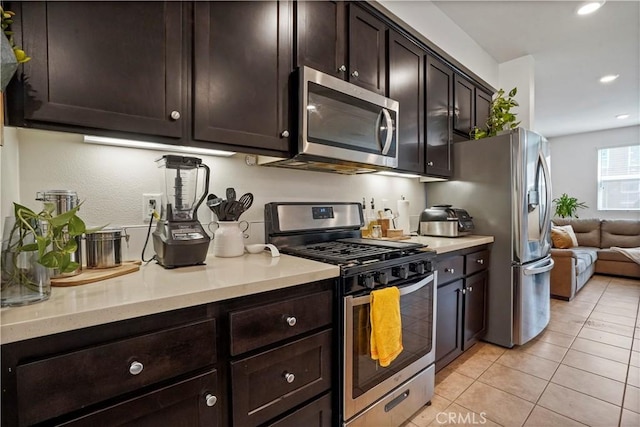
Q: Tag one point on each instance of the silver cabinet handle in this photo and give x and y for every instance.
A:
(480, 261)
(342, 68)
(210, 399)
(291, 321)
(429, 163)
(285, 134)
(464, 291)
(355, 73)
(135, 368)
(449, 270)
(289, 377)
(175, 115)
(470, 288)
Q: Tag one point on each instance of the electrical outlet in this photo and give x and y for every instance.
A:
(150, 203)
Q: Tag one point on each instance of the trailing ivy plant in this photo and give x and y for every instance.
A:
(567, 206)
(6, 19)
(500, 116)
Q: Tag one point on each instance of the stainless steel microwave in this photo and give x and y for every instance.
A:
(344, 123)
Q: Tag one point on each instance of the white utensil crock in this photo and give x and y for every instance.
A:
(228, 239)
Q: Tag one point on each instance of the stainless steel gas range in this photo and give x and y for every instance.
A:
(330, 232)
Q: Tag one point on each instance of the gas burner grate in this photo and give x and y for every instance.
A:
(342, 252)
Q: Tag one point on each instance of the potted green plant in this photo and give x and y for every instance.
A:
(567, 206)
(500, 116)
(10, 55)
(34, 243)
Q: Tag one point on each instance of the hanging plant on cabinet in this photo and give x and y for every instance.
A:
(500, 116)
(10, 54)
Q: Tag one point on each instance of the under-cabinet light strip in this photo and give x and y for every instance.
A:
(130, 143)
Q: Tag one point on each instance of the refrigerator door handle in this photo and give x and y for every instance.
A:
(547, 213)
(533, 270)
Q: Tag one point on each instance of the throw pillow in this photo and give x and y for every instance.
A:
(572, 234)
(561, 238)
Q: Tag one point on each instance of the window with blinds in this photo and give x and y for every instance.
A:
(619, 178)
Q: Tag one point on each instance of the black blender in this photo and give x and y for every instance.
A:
(179, 239)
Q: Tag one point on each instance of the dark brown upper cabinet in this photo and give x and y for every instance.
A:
(104, 65)
(463, 106)
(482, 108)
(342, 40)
(439, 106)
(406, 85)
(242, 62)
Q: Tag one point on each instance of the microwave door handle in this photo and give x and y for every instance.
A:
(389, 124)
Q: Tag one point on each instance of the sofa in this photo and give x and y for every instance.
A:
(575, 266)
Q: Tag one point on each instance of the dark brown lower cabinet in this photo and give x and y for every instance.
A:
(315, 414)
(270, 383)
(461, 308)
(189, 403)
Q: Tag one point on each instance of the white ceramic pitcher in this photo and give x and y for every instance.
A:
(228, 239)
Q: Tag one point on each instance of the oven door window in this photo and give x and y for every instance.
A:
(417, 318)
(341, 120)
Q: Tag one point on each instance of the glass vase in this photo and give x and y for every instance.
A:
(22, 279)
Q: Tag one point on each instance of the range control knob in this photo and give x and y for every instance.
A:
(382, 278)
(417, 268)
(401, 272)
(366, 280)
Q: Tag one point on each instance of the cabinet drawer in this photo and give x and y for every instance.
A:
(314, 414)
(266, 324)
(270, 383)
(81, 378)
(192, 402)
(476, 261)
(450, 268)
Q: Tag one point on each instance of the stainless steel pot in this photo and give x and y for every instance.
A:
(104, 247)
(63, 201)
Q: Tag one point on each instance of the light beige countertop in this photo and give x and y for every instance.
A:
(154, 290)
(449, 244)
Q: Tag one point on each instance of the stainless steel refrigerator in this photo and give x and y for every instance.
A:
(504, 184)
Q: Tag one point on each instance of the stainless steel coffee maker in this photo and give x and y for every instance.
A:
(63, 201)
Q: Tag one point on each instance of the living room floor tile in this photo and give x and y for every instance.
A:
(528, 363)
(629, 419)
(635, 358)
(605, 337)
(513, 381)
(633, 377)
(596, 365)
(579, 406)
(564, 327)
(499, 406)
(594, 385)
(613, 318)
(544, 349)
(603, 350)
(487, 351)
(613, 328)
(615, 310)
(632, 398)
(557, 338)
(453, 386)
(542, 417)
(428, 414)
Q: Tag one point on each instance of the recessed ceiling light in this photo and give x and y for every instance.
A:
(590, 7)
(622, 116)
(609, 78)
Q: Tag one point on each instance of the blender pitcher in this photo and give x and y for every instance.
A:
(179, 239)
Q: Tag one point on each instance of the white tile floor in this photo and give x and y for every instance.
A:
(584, 369)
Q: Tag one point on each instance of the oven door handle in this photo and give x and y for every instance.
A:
(366, 299)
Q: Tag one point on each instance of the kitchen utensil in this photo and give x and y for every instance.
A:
(259, 247)
(246, 200)
(231, 194)
(104, 247)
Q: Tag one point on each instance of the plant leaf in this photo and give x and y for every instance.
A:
(63, 218)
(29, 247)
(76, 226)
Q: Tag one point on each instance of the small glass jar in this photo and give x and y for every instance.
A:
(376, 232)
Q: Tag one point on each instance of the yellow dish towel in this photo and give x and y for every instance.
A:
(386, 326)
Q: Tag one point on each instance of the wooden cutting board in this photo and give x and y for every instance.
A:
(95, 275)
